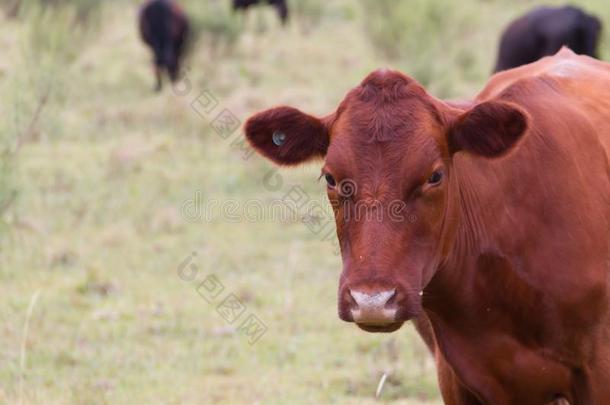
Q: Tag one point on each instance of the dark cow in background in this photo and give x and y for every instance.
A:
(164, 27)
(280, 6)
(487, 223)
(543, 31)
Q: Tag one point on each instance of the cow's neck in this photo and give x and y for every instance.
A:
(469, 307)
(461, 286)
(464, 234)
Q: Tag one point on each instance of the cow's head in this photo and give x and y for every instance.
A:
(388, 158)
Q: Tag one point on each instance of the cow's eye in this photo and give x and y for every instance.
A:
(330, 180)
(435, 178)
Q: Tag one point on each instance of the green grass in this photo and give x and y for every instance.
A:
(97, 229)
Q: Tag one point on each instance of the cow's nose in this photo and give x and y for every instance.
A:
(373, 308)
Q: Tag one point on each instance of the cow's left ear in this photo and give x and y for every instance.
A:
(288, 136)
(489, 129)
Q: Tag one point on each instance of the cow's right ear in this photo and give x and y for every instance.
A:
(288, 136)
(490, 129)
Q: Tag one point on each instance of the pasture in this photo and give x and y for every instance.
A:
(119, 202)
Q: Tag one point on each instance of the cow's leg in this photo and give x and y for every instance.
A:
(282, 11)
(159, 84)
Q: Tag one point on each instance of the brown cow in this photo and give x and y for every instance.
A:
(500, 255)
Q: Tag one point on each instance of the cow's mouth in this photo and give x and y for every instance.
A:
(387, 328)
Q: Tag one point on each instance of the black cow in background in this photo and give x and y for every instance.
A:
(280, 6)
(543, 31)
(164, 27)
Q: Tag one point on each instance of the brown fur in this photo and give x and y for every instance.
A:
(509, 250)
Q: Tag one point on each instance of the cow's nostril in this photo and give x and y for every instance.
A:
(372, 301)
(350, 300)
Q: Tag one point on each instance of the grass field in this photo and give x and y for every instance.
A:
(95, 303)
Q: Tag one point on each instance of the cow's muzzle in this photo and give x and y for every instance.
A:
(373, 310)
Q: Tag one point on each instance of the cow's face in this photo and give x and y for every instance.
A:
(388, 167)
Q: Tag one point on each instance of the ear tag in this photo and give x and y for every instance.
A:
(279, 138)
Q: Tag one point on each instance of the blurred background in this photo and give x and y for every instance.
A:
(118, 281)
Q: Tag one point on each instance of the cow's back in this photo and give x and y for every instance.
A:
(543, 31)
(580, 81)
